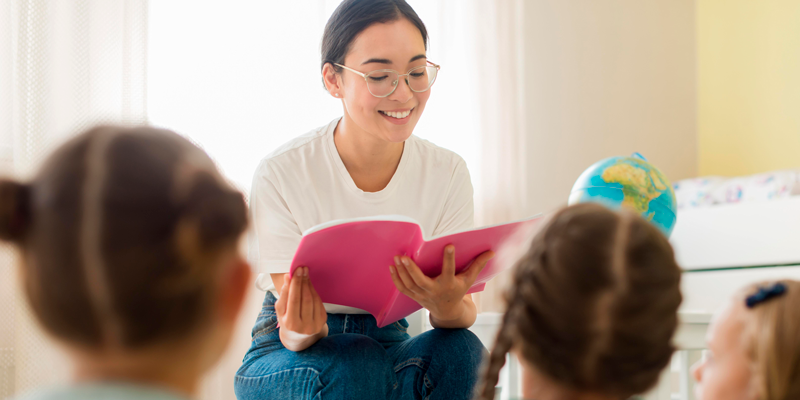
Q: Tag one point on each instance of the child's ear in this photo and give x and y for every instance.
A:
(235, 288)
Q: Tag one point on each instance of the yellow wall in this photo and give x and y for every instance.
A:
(748, 54)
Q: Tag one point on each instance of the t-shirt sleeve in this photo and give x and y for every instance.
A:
(275, 235)
(459, 208)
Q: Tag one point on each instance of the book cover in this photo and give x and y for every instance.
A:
(348, 260)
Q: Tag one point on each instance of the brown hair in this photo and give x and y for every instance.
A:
(593, 305)
(352, 17)
(119, 233)
(772, 339)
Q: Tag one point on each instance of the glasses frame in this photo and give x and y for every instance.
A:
(399, 75)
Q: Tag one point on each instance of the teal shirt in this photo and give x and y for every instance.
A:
(103, 391)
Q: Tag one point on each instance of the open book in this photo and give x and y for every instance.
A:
(348, 260)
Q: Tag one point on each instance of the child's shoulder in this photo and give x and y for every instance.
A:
(100, 392)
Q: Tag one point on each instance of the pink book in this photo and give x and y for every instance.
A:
(348, 260)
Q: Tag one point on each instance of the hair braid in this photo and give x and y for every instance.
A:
(496, 361)
(593, 306)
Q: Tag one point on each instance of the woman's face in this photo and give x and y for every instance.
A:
(395, 45)
(726, 371)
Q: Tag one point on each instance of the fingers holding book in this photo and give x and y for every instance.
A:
(300, 310)
(441, 295)
(411, 277)
(470, 274)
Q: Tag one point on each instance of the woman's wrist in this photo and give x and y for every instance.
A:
(451, 313)
(295, 341)
(461, 317)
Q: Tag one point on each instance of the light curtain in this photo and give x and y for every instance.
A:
(500, 195)
(64, 65)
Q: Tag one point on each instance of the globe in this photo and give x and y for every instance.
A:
(629, 182)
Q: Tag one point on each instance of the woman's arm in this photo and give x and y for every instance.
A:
(277, 280)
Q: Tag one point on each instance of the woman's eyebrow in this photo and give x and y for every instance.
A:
(389, 62)
(377, 60)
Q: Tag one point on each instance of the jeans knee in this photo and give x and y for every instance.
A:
(459, 346)
(357, 358)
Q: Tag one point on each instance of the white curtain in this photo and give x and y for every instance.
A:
(64, 65)
(501, 195)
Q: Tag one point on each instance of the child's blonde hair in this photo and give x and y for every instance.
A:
(593, 305)
(772, 340)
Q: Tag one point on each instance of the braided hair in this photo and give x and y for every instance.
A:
(593, 305)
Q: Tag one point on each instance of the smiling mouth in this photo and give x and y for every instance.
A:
(397, 115)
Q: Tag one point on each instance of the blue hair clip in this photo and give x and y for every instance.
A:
(765, 293)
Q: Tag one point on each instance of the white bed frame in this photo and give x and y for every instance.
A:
(756, 234)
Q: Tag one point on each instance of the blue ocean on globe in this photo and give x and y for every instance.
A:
(629, 182)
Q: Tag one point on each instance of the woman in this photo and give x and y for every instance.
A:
(129, 241)
(366, 163)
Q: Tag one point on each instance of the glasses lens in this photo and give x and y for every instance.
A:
(421, 79)
(381, 83)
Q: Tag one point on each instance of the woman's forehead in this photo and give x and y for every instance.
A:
(395, 43)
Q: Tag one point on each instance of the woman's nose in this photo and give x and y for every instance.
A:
(403, 93)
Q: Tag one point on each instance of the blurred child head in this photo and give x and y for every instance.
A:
(754, 346)
(592, 308)
(129, 243)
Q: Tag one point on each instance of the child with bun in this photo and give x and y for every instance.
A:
(129, 246)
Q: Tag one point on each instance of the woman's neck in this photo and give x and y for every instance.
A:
(370, 160)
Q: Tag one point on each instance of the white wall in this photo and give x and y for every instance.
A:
(607, 78)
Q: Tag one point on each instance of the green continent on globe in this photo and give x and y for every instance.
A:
(640, 185)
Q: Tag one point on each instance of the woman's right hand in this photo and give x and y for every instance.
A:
(301, 316)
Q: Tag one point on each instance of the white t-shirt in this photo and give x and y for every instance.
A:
(305, 183)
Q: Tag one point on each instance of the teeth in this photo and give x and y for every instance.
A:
(398, 115)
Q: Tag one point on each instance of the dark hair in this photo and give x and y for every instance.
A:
(121, 232)
(353, 16)
(593, 305)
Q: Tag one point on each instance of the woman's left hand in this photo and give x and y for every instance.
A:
(441, 295)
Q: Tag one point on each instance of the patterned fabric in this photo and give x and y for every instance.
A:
(713, 190)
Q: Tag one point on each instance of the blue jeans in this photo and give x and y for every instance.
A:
(358, 360)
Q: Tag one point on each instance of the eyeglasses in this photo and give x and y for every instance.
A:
(383, 82)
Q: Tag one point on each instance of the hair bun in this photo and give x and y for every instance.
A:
(14, 210)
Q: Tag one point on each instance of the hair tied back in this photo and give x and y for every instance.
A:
(14, 209)
(765, 293)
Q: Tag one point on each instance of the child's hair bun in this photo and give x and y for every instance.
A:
(14, 210)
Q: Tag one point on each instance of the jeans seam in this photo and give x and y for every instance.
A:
(411, 361)
(240, 377)
(428, 382)
(264, 332)
(398, 326)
